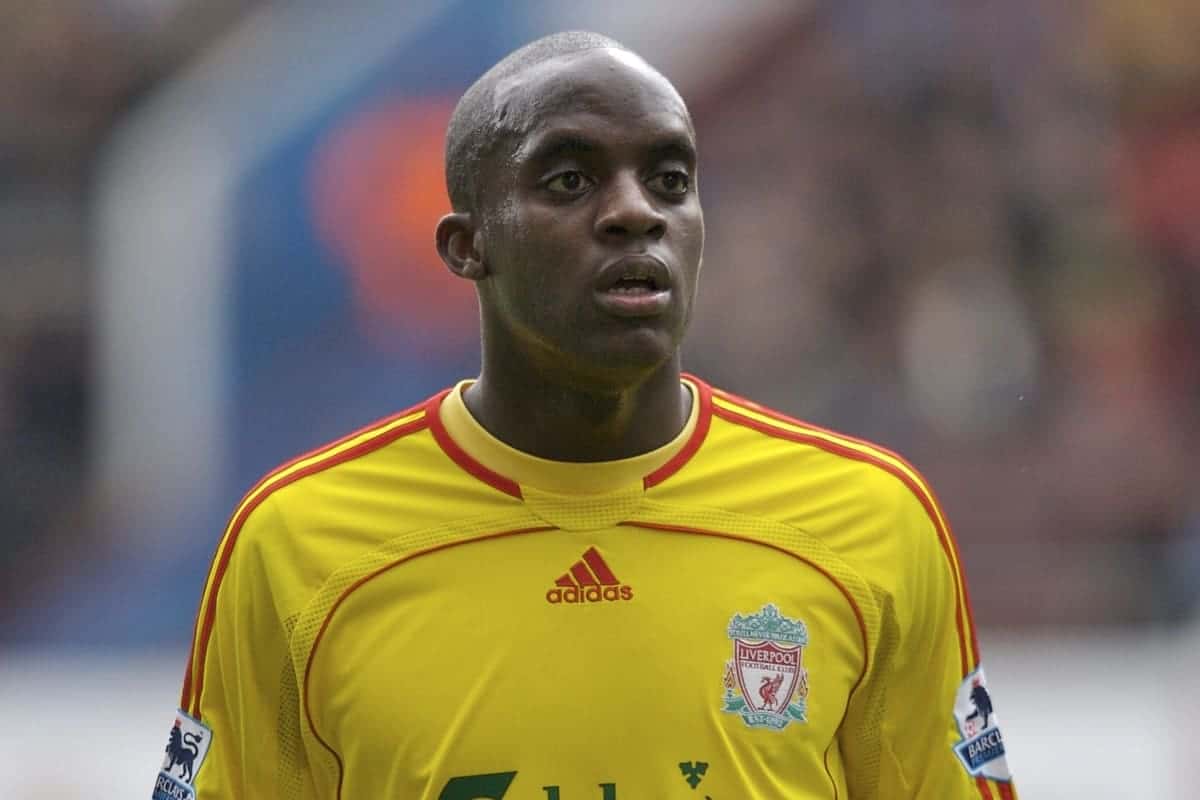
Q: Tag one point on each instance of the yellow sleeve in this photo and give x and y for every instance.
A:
(926, 698)
(931, 750)
(241, 693)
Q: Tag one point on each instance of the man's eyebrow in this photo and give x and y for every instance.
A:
(557, 145)
(573, 143)
(675, 148)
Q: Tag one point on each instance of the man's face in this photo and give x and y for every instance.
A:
(593, 231)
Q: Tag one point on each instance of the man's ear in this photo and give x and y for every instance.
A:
(457, 244)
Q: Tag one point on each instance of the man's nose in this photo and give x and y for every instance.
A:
(629, 210)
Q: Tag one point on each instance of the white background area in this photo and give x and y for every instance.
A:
(1085, 717)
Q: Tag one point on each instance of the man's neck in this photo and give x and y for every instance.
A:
(560, 420)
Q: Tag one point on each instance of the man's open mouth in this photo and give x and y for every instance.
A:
(634, 286)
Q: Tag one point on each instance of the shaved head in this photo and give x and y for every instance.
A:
(494, 111)
(571, 167)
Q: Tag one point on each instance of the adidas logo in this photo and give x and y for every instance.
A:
(589, 580)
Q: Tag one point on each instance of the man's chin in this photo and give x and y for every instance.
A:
(629, 358)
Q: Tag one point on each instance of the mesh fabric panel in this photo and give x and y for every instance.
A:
(293, 760)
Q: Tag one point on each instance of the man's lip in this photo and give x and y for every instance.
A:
(635, 263)
(642, 303)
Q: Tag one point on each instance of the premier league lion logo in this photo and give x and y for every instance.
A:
(182, 750)
(187, 746)
(983, 706)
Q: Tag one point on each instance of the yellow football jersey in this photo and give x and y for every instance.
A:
(759, 609)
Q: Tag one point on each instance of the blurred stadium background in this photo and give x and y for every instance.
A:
(969, 231)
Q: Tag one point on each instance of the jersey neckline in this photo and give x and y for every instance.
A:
(505, 468)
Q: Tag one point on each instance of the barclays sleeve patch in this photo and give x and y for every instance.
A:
(187, 746)
(981, 748)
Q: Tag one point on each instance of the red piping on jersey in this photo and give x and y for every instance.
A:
(923, 492)
(1006, 791)
(703, 422)
(459, 456)
(187, 678)
(358, 584)
(944, 538)
(862, 625)
(221, 559)
(984, 790)
(511, 487)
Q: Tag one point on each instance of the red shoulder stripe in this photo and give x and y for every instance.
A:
(923, 495)
(1006, 790)
(921, 489)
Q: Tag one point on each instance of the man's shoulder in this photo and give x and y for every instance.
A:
(342, 459)
(767, 447)
(862, 500)
(383, 482)
(761, 427)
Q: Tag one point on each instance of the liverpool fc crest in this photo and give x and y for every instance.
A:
(765, 681)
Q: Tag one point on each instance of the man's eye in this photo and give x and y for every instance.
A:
(572, 182)
(673, 182)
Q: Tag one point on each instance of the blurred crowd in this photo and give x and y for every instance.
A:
(966, 231)
(69, 69)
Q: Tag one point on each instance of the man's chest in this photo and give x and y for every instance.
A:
(576, 666)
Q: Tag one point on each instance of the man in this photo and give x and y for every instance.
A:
(584, 574)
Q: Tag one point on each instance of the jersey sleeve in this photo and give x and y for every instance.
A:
(239, 697)
(944, 743)
(927, 699)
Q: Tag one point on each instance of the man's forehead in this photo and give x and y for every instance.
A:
(663, 133)
(601, 81)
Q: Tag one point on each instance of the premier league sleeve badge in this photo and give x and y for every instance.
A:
(981, 749)
(187, 746)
